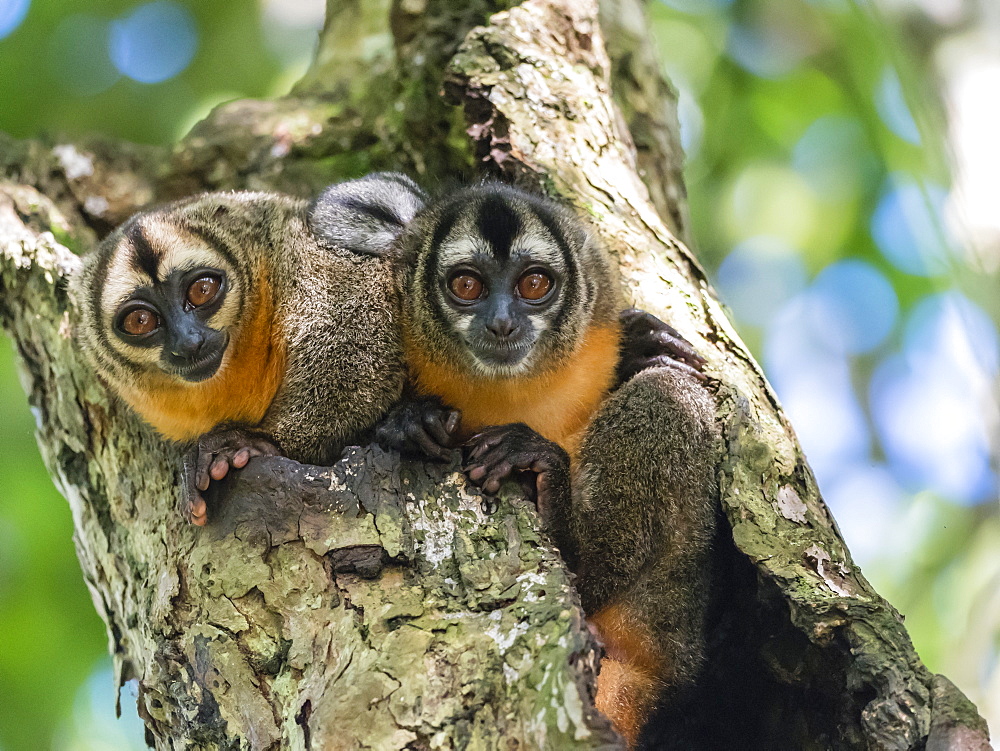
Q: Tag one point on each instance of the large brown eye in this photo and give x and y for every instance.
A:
(466, 287)
(534, 285)
(140, 321)
(204, 290)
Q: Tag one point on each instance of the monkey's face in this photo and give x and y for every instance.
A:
(168, 302)
(500, 272)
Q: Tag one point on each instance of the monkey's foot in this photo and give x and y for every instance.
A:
(648, 342)
(212, 459)
(420, 428)
(499, 451)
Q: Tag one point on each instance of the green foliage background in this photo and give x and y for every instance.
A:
(939, 565)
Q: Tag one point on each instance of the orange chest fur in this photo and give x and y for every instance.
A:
(242, 390)
(558, 404)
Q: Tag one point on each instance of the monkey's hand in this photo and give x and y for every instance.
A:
(499, 451)
(420, 428)
(648, 342)
(213, 456)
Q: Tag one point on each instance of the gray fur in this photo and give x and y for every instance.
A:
(366, 215)
(336, 311)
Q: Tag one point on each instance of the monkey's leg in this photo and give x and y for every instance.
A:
(420, 427)
(213, 456)
(643, 520)
(648, 342)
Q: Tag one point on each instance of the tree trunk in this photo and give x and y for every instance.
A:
(379, 604)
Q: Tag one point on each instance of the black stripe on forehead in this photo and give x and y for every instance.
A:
(429, 280)
(144, 257)
(96, 289)
(570, 297)
(498, 224)
(444, 226)
(106, 354)
(219, 243)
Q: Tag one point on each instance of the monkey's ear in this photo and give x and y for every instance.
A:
(366, 215)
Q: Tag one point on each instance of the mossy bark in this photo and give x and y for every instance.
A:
(379, 604)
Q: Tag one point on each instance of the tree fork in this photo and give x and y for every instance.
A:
(388, 605)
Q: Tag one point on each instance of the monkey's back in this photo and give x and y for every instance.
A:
(338, 312)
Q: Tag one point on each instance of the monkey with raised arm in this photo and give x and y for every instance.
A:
(239, 323)
(514, 341)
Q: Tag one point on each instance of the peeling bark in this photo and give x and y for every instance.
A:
(383, 604)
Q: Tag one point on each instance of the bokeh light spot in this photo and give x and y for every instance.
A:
(929, 403)
(78, 55)
(853, 307)
(154, 42)
(950, 327)
(12, 13)
(893, 109)
(291, 28)
(814, 385)
(758, 276)
(907, 227)
(770, 199)
(867, 502)
(832, 156)
(764, 51)
(93, 724)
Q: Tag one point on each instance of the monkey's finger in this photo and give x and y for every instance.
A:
(639, 321)
(199, 511)
(497, 475)
(677, 346)
(427, 446)
(219, 469)
(475, 472)
(485, 440)
(636, 320)
(665, 361)
(502, 455)
(435, 425)
(454, 418)
(262, 447)
(241, 457)
(202, 479)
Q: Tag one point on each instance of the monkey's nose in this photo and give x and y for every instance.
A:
(502, 328)
(190, 347)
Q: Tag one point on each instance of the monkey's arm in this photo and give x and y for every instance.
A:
(419, 427)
